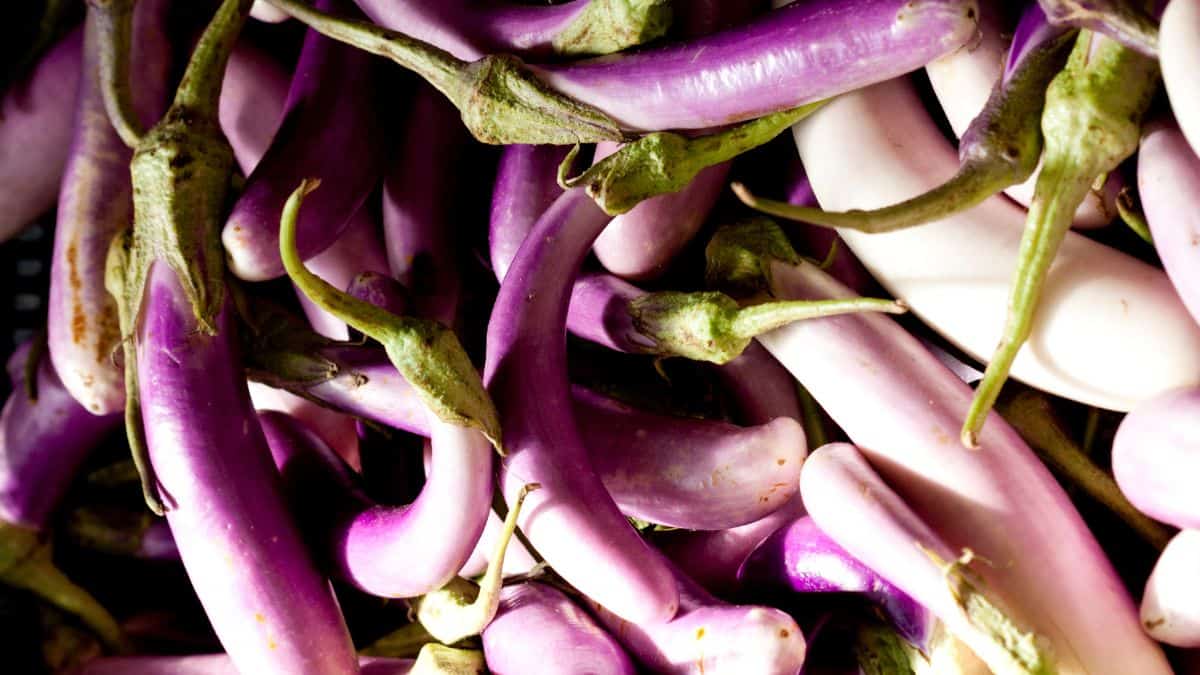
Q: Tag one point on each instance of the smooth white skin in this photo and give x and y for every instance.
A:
(1110, 330)
(1169, 186)
(1156, 457)
(852, 504)
(1171, 601)
(1179, 54)
(265, 12)
(962, 82)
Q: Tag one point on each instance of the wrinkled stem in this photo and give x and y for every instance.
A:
(755, 320)
(200, 89)
(112, 22)
(1031, 415)
(1124, 21)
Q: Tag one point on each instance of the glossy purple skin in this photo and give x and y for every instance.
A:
(712, 559)
(694, 474)
(571, 520)
(525, 187)
(539, 630)
(390, 551)
(42, 443)
(598, 310)
(800, 558)
(805, 52)
(380, 290)
(94, 203)
(1155, 455)
(472, 30)
(253, 93)
(36, 128)
(213, 664)
(1033, 31)
(710, 637)
(1168, 182)
(269, 606)
(418, 192)
(333, 111)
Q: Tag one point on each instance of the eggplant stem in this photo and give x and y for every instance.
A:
(111, 21)
(752, 321)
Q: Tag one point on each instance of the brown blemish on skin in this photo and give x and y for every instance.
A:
(783, 633)
(1154, 623)
(781, 461)
(700, 633)
(259, 617)
(78, 317)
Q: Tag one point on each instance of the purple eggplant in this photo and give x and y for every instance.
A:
(572, 520)
(435, 534)
(1169, 188)
(538, 629)
(417, 227)
(801, 558)
(524, 189)
(225, 504)
(896, 401)
(577, 28)
(94, 204)
(752, 70)
(712, 558)
(1153, 453)
(380, 290)
(42, 443)
(332, 112)
(701, 475)
(338, 430)
(358, 250)
(216, 664)
(711, 637)
(35, 134)
(253, 94)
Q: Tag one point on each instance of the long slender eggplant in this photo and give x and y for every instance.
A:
(35, 134)
(538, 629)
(417, 198)
(576, 28)
(800, 558)
(1180, 24)
(1108, 340)
(391, 551)
(94, 204)
(215, 664)
(711, 637)
(753, 69)
(333, 111)
(1169, 189)
(253, 94)
(571, 520)
(859, 511)
(901, 406)
(1153, 452)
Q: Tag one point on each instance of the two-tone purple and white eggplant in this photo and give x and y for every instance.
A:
(859, 511)
(390, 551)
(1169, 188)
(709, 636)
(576, 28)
(902, 407)
(539, 629)
(44, 437)
(417, 194)
(216, 664)
(753, 69)
(95, 202)
(333, 111)
(801, 558)
(35, 134)
(1153, 453)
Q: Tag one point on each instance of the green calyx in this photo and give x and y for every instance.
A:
(463, 608)
(999, 149)
(739, 256)
(109, 530)
(435, 659)
(282, 350)
(427, 353)
(1091, 123)
(665, 162)
(25, 562)
(608, 26)
(711, 326)
(1004, 647)
(881, 651)
(501, 100)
